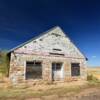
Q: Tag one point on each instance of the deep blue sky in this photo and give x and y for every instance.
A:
(20, 20)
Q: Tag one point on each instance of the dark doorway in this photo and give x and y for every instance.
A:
(33, 70)
(75, 69)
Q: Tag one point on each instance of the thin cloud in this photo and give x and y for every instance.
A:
(94, 56)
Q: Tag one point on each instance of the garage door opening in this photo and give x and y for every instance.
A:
(75, 69)
(33, 70)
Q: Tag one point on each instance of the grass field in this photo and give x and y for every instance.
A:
(55, 91)
(62, 91)
(95, 71)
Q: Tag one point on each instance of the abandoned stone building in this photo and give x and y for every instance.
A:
(51, 56)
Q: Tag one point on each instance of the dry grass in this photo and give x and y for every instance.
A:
(41, 90)
(95, 71)
(38, 91)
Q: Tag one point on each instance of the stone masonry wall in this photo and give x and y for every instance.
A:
(18, 66)
(53, 46)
